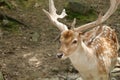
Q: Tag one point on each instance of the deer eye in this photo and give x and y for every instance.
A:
(74, 42)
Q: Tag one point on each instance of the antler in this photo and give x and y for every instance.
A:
(53, 16)
(101, 19)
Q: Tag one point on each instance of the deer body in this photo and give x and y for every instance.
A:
(93, 53)
(96, 61)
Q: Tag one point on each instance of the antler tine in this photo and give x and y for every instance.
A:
(111, 10)
(101, 19)
(53, 16)
(52, 8)
(73, 23)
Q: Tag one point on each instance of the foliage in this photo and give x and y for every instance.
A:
(9, 25)
(83, 18)
(1, 76)
(5, 3)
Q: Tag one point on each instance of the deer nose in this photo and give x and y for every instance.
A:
(59, 55)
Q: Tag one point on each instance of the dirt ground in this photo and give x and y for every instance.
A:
(22, 58)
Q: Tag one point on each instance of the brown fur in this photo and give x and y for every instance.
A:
(67, 36)
(106, 41)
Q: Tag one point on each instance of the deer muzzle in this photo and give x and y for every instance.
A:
(59, 55)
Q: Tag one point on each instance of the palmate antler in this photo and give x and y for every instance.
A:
(101, 19)
(53, 16)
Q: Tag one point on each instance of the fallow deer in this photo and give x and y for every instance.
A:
(93, 53)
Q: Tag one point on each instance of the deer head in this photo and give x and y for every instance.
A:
(72, 39)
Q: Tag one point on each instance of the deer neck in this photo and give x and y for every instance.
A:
(82, 57)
